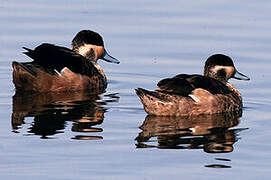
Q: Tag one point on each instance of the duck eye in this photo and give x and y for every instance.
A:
(221, 73)
(90, 54)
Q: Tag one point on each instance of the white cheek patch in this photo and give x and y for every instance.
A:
(228, 69)
(194, 97)
(83, 50)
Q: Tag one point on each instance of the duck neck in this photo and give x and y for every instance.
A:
(234, 90)
(100, 70)
(221, 79)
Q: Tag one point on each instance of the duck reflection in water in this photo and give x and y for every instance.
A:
(52, 111)
(208, 132)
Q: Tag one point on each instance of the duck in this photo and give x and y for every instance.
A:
(194, 94)
(60, 69)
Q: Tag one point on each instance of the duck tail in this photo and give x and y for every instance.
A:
(29, 52)
(152, 101)
(143, 92)
(22, 76)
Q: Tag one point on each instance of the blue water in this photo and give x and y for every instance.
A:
(81, 136)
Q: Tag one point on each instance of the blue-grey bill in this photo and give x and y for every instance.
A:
(109, 58)
(240, 76)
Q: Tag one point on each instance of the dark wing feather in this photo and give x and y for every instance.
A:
(175, 85)
(184, 84)
(52, 57)
(210, 84)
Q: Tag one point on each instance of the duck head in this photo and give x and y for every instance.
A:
(221, 67)
(90, 45)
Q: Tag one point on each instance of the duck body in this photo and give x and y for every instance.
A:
(56, 68)
(185, 95)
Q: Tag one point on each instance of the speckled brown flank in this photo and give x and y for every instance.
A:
(43, 81)
(164, 104)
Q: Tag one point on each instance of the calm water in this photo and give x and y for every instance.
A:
(109, 136)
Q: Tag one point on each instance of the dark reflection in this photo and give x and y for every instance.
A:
(208, 132)
(217, 166)
(51, 111)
